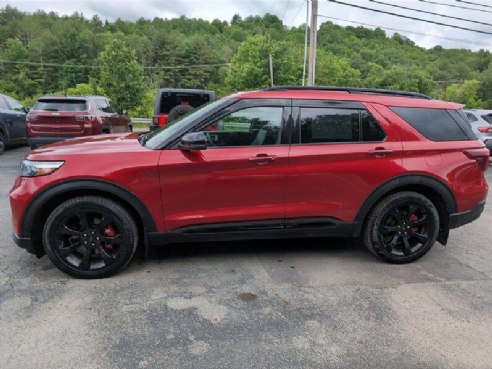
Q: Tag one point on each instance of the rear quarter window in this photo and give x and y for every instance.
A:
(436, 124)
(61, 105)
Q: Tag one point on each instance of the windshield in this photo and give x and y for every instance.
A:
(156, 138)
(61, 105)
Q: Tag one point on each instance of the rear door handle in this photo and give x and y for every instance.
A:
(262, 159)
(380, 152)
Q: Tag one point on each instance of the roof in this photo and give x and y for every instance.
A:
(186, 90)
(383, 97)
(71, 97)
(480, 111)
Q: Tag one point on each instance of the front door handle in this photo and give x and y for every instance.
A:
(262, 159)
(380, 152)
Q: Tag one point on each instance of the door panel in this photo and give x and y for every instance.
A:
(240, 177)
(16, 120)
(333, 179)
(222, 185)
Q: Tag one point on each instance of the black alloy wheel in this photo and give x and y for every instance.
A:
(402, 227)
(90, 237)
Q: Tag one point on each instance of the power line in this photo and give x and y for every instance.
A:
(408, 17)
(472, 3)
(403, 30)
(456, 6)
(95, 66)
(431, 13)
(297, 12)
(285, 10)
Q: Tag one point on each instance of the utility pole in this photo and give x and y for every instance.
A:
(312, 42)
(271, 68)
(306, 30)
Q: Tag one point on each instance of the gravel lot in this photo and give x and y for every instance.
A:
(302, 304)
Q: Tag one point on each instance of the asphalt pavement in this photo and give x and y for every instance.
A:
(276, 304)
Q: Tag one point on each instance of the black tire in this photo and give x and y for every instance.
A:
(33, 146)
(2, 143)
(402, 227)
(178, 111)
(90, 237)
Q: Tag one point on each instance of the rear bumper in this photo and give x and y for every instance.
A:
(459, 219)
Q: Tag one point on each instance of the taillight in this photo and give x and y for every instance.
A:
(485, 129)
(481, 156)
(84, 118)
(32, 116)
(155, 121)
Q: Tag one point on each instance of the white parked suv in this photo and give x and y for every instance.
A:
(480, 121)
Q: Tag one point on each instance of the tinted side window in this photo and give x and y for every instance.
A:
(3, 104)
(487, 118)
(247, 127)
(323, 125)
(435, 124)
(371, 130)
(103, 105)
(471, 117)
(14, 104)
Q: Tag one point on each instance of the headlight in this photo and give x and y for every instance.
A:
(31, 168)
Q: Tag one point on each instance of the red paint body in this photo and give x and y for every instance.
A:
(183, 188)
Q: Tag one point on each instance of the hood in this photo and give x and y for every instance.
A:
(100, 144)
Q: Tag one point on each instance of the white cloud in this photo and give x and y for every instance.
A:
(292, 12)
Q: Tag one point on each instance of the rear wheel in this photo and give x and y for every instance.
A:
(90, 237)
(402, 227)
(2, 143)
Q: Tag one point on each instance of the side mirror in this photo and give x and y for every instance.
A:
(193, 141)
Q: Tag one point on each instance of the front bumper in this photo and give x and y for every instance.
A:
(460, 219)
(24, 243)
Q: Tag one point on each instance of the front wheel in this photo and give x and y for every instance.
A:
(402, 227)
(90, 237)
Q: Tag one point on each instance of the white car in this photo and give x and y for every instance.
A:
(480, 121)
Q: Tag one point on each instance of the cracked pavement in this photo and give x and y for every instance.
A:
(295, 304)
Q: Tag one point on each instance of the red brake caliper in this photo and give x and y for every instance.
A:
(109, 231)
(414, 218)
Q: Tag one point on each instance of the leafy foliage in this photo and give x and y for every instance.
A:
(120, 76)
(73, 54)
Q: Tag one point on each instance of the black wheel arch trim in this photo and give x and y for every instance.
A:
(85, 184)
(407, 180)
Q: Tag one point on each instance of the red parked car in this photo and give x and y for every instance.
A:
(56, 118)
(396, 169)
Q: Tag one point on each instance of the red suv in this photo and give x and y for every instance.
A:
(395, 168)
(56, 118)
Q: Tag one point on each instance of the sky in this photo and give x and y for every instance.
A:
(293, 13)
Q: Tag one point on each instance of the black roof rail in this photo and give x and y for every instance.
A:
(352, 90)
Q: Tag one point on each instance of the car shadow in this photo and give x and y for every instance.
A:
(204, 249)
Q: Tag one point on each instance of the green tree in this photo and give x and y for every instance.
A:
(465, 93)
(332, 70)
(250, 65)
(120, 76)
(402, 78)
